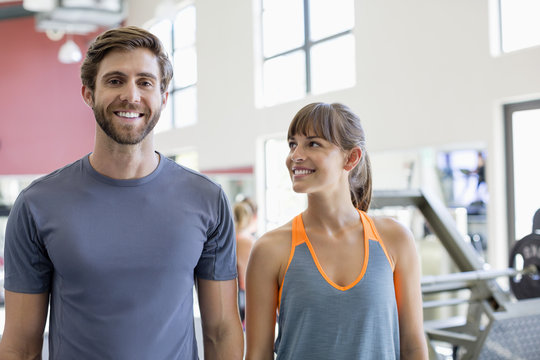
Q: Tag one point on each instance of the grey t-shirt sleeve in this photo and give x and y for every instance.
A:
(28, 268)
(218, 258)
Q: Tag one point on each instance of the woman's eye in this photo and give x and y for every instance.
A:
(292, 145)
(314, 144)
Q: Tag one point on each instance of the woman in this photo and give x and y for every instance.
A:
(245, 223)
(346, 286)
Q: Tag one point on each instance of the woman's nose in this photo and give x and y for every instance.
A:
(297, 155)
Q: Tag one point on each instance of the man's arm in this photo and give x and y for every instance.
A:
(26, 315)
(222, 330)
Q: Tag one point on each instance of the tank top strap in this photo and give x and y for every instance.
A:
(298, 236)
(371, 233)
(369, 227)
(298, 232)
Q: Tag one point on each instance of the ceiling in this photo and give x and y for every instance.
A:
(70, 16)
(12, 9)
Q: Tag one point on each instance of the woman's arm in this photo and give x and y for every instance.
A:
(268, 256)
(400, 244)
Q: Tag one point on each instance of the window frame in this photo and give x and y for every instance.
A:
(500, 46)
(308, 44)
(174, 90)
(508, 112)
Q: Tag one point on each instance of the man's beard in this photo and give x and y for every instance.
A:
(125, 134)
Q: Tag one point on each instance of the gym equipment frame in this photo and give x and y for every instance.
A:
(497, 325)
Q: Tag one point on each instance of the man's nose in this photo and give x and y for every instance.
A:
(131, 93)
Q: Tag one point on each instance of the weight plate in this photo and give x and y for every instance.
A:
(526, 252)
(536, 222)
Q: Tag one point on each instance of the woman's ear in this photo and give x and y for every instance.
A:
(353, 158)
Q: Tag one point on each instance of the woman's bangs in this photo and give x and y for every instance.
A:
(315, 123)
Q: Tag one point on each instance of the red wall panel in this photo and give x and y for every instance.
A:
(44, 123)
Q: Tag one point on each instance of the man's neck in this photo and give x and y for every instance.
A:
(125, 161)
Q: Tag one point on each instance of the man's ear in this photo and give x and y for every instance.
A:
(87, 95)
(353, 158)
(164, 99)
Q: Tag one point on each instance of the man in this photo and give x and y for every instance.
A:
(117, 240)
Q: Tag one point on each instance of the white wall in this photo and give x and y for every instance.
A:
(425, 78)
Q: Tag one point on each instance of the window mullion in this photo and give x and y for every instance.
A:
(307, 46)
(331, 37)
(172, 103)
(283, 53)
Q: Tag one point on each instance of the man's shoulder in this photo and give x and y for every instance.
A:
(56, 177)
(189, 176)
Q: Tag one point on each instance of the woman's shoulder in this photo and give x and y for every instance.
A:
(390, 227)
(397, 238)
(275, 240)
(271, 251)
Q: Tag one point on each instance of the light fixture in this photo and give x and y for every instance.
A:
(166, 9)
(39, 5)
(69, 52)
(54, 34)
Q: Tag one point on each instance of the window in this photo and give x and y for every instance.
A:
(178, 36)
(308, 48)
(188, 158)
(522, 126)
(278, 203)
(519, 25)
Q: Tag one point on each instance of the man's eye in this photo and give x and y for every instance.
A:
(114, 81)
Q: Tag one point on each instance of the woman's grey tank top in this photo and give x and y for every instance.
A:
(319, 319)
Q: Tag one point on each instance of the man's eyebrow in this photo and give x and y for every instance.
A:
(147, 75)
(119, 73)
(113, 73)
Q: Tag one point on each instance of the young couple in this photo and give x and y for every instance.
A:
(114, 243)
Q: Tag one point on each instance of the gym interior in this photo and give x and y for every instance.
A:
(448, 93)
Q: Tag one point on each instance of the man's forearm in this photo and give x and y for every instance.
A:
(227, 346)
(7, 353)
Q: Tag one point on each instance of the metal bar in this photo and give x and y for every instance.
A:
(440, 220)
(451, 337)
(446, 302)
(446, 287)
(469, 276)
(444, 227)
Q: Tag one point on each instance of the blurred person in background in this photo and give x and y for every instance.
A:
(245, 220)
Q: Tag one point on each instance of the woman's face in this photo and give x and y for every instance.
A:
(315, 164)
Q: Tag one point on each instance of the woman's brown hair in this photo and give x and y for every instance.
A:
(337, 124)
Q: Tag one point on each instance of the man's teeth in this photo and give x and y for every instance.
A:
(128, 114)
(303, 172)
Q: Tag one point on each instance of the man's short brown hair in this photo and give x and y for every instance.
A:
(127, 39)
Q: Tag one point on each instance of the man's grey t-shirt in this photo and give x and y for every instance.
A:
(119, 258)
